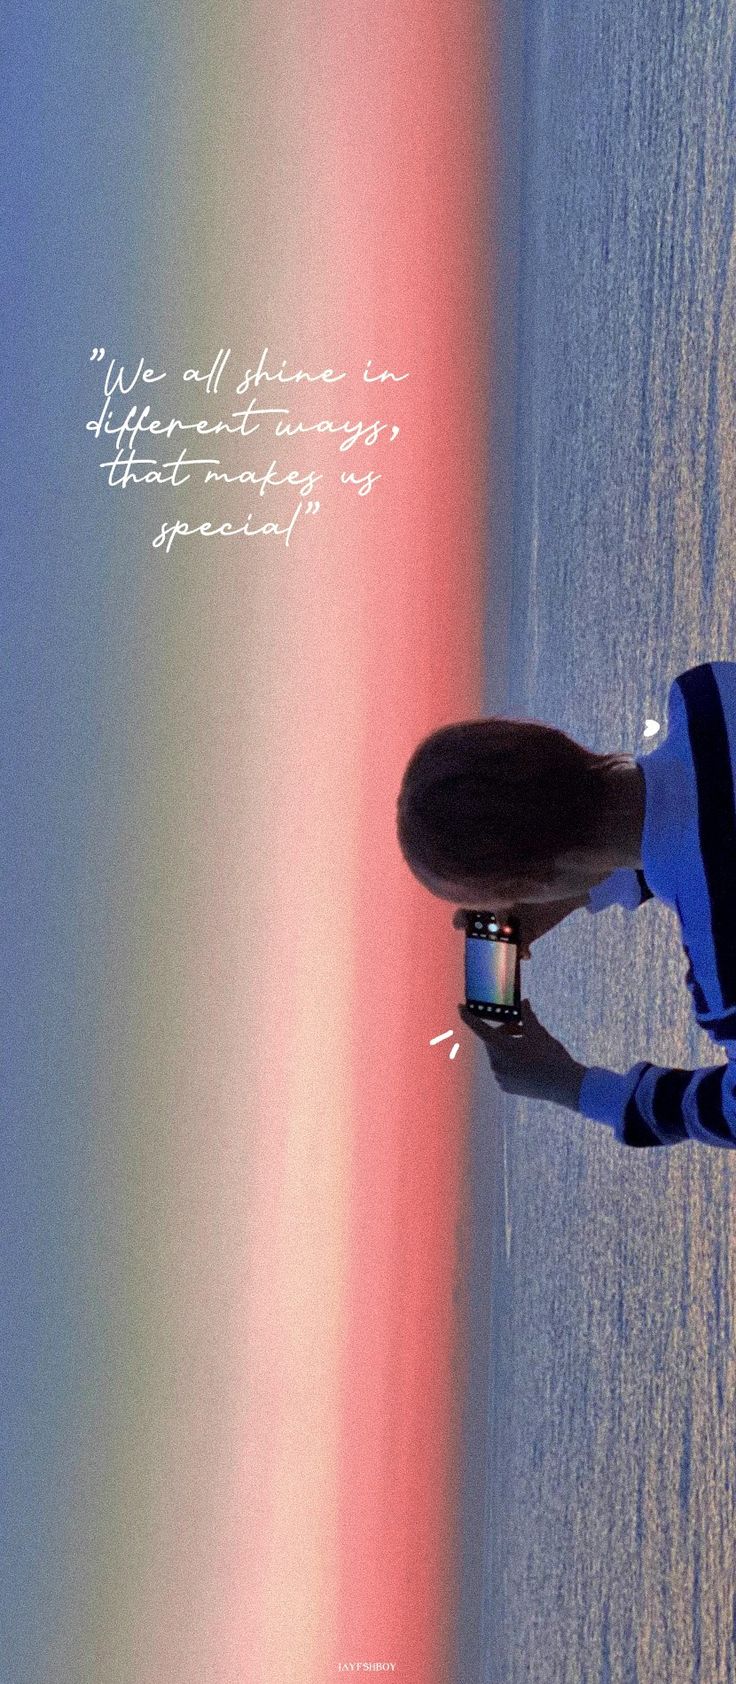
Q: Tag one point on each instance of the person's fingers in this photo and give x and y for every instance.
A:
(458, 921)
(478, 1024)
(502, 1058)
(497, 1053)
(499, 1039)
(504, 1041)
(485, 1028)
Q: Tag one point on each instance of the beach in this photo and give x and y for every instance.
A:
(609, 1547)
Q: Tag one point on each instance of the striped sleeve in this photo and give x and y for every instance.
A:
(651, 1106)
(707, 901)
(622, 888)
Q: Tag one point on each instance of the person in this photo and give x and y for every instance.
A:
(517, 816)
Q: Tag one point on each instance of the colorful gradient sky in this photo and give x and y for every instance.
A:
(234, 1203)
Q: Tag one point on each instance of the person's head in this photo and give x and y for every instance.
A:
(496, 812)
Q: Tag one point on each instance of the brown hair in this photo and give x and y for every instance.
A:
(498, 798)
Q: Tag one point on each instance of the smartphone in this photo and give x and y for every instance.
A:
(492, 971)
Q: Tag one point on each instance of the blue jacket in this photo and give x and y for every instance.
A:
(689, 860)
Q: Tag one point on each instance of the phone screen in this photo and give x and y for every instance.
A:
(490, 971)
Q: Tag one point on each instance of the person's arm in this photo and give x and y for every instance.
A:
(648, 1106)
(534, 919)
(538, 918)
(652, 1106)
(624, 887)
(621, 888)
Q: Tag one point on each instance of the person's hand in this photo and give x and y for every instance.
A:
(537, 917)
(534, 918)
(531, 1063)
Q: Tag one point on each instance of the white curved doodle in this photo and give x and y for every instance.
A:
(445, 1036)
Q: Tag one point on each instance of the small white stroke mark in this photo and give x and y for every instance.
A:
(651, 727)
(445, 1036)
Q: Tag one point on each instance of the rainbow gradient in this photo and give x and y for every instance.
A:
(235, 1192)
